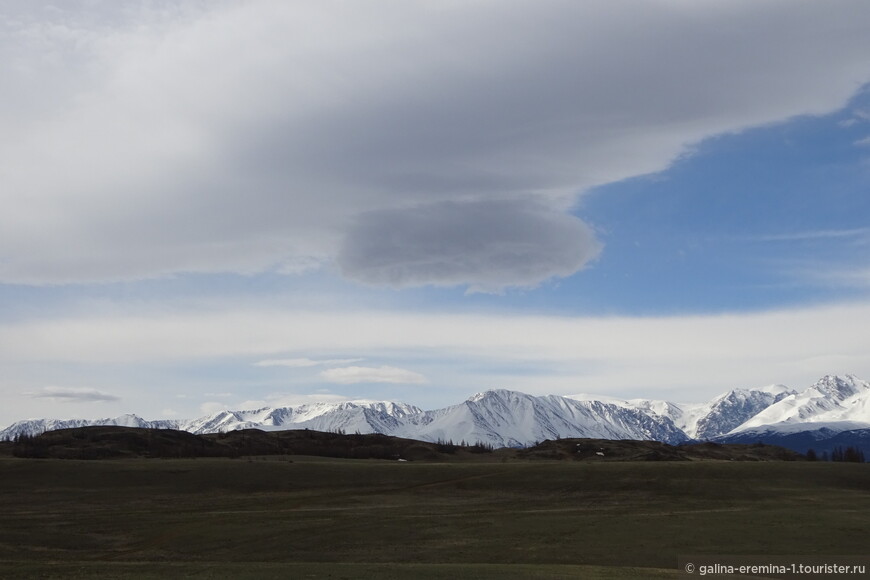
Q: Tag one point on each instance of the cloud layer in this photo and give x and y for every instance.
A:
(144, 140)
(73, 395)
(382, 374)
(303, 362)
(590, 354)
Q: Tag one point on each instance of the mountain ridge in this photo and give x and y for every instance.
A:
(505, 418)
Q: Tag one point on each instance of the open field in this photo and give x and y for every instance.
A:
(341, 518)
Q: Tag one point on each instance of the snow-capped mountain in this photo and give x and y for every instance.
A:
(833, 413)
(507, 418)
(732, 409)
(499, 418)
(31, 427)
(832, 400)
(707, 420)
(350, 417)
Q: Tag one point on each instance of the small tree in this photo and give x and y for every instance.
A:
(853, 455)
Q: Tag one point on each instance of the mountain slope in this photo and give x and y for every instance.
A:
(350, 417)
(31, 427)
(508, 418)
(499, 418)
(732, 409)
(707, 420)
(831, 400)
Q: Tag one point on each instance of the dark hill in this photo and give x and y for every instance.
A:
(626, 450)
(115, 442)
(109, 442)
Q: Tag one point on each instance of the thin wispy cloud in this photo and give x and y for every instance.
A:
(382, 374)
(73, 395)
(305, 362)
(594, 354)
(835, 276)
(859, 116)
(273, 400)
(809, 235)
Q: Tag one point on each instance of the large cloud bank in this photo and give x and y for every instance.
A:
(409, 143)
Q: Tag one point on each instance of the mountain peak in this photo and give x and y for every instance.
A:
(840, 386)
(494, 394)
(504, 417)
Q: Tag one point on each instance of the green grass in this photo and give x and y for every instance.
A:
(211, 518)
(337, 571)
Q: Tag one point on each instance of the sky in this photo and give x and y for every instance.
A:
(213, 205)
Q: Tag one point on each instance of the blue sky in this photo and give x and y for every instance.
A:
(765, 218)
(229, 205)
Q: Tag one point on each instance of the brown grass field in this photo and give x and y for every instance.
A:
(309, 517)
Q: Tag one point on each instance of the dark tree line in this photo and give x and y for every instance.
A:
(849, 455)
(448, 446)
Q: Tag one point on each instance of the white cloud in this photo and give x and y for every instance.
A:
(212, 407)
(382, 374)
(255, 136)
(73, 395)
(835, 276)
(273, 400)
(863, 142)
(806, 235)
(640, 356)
(294, 399)
(304, 362)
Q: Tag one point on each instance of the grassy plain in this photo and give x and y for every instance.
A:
(343, 518)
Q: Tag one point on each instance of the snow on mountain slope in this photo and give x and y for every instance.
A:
(500, 418)
(732, 409)
(505, 418)
(350, 417)
(683, 415)
(831, 400)
(508, 418)
(707, 420)
(31, 427)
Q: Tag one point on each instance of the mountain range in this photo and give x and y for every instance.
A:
(835, 411)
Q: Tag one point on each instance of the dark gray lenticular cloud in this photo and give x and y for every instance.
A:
(73, 395)
(485, 244)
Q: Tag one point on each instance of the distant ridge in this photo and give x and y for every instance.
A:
(504, 418)
(111, 442)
